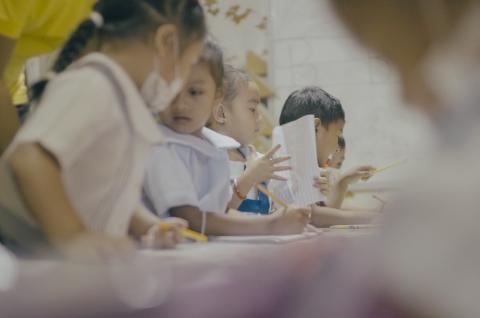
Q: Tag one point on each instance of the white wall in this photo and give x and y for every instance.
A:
(310, 47)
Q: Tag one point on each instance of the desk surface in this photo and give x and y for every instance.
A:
(156, 279)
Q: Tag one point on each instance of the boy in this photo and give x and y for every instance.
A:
(329, 124)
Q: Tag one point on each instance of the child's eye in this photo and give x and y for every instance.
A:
(195, 92)
(253, 110)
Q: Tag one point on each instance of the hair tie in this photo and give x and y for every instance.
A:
(97, 19)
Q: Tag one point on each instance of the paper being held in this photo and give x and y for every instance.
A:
(298, 142)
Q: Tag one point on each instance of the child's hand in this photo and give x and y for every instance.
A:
(322, 182)
(164, 235)
(356, 174)
(95, 247)
(293, 221)
(265, 168)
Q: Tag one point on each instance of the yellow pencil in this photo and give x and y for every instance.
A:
(187, 233)
(274, 198)
(355, 227)
(392, 165)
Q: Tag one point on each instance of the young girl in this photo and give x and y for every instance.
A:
(189, 176)
(79, 161)
(237, 116)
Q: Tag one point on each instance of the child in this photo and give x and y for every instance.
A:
(79, 161)
(237, 116)
(329, 123)
(199, 190)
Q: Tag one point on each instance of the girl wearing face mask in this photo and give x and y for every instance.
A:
(78, 163)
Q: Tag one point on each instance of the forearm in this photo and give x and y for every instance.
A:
(327, 216)
(337, 195)
(225, 224)
(9, 122)
(39, 180)
(142, 220)
(244, 184)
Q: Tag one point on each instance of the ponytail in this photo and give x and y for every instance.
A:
(122, 19)
(72, 49)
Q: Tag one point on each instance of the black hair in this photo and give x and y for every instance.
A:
(127, 19)
(212, 55)
(315, 101)
(233, 78)
(341, 142)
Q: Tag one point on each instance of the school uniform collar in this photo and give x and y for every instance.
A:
(219, 140)
(142, 119)
(208, 145)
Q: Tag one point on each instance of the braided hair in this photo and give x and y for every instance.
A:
(123, 20)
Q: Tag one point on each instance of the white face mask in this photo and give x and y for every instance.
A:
(157, 92)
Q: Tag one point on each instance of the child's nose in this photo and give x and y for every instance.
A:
(259, 118)
(180, 102)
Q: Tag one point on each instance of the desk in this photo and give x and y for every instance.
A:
(194, 280)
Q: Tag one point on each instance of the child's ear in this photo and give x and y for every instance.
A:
(219, 113)
(317, 123)
(166, 40)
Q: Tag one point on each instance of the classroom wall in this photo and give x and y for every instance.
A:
(309, 46)
(239, 26)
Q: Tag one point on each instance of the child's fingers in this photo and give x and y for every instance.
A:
(281, 168)
(279, 160)
(148, 240)
(277, 177)
(365, 175)
(169, 240)
(272, 151)
(325, 174)
(305, 215)
(319, 181)
(177, 222)
(178, 236)
(165, 239)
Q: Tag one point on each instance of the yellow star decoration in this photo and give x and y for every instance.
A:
(237, 18)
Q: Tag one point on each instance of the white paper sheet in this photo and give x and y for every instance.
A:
(298, 141)
(265, 239)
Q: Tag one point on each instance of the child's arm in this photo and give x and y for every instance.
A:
(145, 226)
(327, 216)
(337, 192)
(39, 180)
(243, 185)
(258, 171)
(293, 222)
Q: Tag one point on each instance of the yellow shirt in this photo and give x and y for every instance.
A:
(39, 26)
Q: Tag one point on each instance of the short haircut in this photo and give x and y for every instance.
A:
(234, 77)
(212, 55)
(315, 101)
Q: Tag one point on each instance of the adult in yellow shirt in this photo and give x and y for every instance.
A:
(30, 28)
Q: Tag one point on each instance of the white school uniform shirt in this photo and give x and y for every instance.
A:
(189, 170)
(101, 156)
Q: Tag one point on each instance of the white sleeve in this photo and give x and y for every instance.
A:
(75, 110)
(168, 183)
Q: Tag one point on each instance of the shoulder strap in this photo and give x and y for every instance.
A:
(108, 73)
